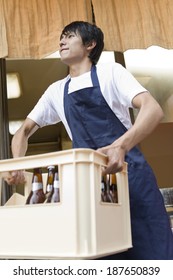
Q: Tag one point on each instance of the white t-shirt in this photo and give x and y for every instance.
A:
(117, 85)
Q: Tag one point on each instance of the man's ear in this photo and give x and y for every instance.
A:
(91, 45)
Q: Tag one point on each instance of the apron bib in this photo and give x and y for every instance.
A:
(94, 125)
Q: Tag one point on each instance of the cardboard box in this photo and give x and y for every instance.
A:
(80, 226)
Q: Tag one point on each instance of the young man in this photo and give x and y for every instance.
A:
(93, 103)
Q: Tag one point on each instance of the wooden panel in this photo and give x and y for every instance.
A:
(158, 150)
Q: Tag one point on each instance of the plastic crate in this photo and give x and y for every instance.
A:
(80, 226)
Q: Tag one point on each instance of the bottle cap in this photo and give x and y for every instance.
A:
(51, 167)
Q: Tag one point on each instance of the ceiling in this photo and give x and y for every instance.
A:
(153, 68)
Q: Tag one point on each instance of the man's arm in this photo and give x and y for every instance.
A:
(19, 147)
(149, 116)
(19, 144)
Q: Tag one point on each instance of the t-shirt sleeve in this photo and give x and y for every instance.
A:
(127, 87)
(44, 112)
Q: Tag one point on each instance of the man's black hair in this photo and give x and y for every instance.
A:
(88, 32)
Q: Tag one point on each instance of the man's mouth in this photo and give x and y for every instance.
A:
(64, 49)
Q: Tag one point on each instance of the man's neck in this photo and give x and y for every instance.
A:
(79, 69)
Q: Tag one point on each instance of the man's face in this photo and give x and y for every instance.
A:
(72, 50)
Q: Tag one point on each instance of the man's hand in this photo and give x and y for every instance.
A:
(15, 177)
(116, 156)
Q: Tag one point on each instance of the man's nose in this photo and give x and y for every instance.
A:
(62, 42)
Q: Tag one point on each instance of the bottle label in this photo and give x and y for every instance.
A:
(49, 187)
(36, 186)
(56, 184)
(102, 186)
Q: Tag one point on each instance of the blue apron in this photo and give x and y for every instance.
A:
(94, 125)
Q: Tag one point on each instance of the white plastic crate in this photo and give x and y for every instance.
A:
(80, 226)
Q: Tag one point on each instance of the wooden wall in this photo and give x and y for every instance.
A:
(158, 150)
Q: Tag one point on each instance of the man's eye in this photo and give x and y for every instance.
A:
(70, 35)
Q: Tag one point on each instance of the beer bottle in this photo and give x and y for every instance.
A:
(105, 195)
(56, 192)
(49, 184)
(36, 195)
(113, 188)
